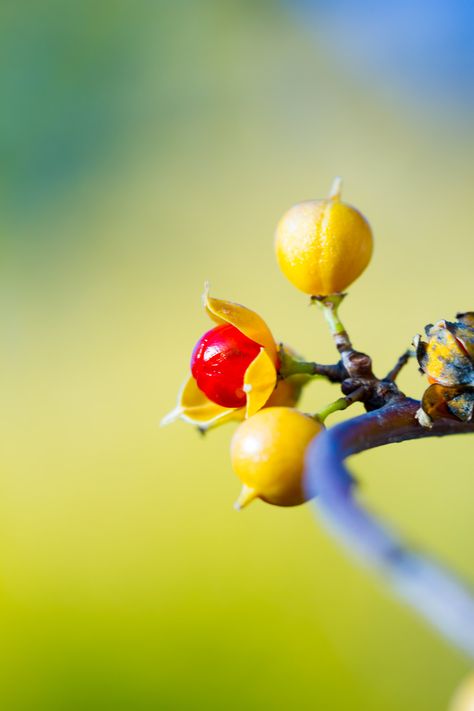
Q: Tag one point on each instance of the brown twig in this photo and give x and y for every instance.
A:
(401, 362)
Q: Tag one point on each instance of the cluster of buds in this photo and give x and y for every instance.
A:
(447, 358)
(238, 372)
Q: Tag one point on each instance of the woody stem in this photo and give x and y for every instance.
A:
(436, 593)
(401, 362)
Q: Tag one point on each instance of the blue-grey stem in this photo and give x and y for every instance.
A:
(435, 592)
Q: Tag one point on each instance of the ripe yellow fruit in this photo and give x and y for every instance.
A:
(267, 453)
(322, 246)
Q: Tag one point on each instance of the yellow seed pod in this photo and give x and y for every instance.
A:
(322, 246)
(267, 453)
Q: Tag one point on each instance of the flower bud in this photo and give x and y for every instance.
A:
(322, 246)
(268, 452)
(453, 401)
(447, 358)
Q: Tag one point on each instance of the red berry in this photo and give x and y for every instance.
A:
(219, 361)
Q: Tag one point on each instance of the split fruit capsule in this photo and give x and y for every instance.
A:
(234, 369)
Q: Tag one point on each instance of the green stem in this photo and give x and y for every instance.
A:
(290, 365)
(331, 314)
(330, 307)
(341, 403)
(299, 367)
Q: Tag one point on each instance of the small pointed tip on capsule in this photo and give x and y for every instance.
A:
(171, 417)
(205, 293)
(336, 188)
(245, 497)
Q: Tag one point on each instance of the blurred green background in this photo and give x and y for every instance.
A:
(146, 147)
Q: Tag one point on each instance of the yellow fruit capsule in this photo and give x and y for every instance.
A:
(267, 453)
(322, 246)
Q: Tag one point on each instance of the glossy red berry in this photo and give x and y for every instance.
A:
(219, 361)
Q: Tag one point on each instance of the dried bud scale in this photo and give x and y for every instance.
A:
(447, 358)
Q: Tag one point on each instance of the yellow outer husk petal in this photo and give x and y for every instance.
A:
(195, 407)
(259, 382)
(247, 321)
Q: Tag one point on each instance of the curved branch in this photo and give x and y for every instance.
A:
(431, 589)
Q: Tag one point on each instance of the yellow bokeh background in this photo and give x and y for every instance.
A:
(127, 580)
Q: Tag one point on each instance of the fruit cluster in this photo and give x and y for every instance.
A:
(239, 372)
